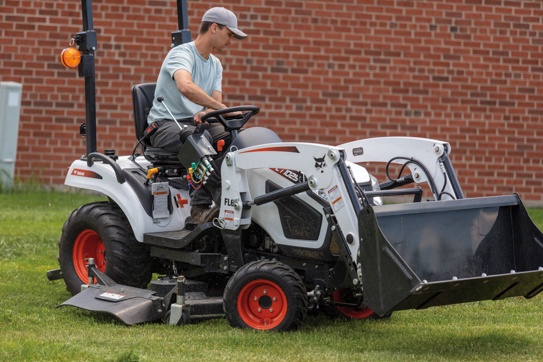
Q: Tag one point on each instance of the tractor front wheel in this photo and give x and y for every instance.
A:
(100, 231)
(265, 295)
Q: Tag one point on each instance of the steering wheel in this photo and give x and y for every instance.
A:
(232, 123)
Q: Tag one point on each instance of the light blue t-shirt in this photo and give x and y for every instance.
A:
(207, 74)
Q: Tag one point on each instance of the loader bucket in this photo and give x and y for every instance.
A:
(420, 255)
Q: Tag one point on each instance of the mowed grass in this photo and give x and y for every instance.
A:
(32, 328)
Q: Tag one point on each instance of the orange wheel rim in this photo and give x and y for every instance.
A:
(342, 295)
(262, 304)
(88, 244)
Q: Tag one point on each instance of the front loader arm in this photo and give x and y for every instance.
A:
(427, 160)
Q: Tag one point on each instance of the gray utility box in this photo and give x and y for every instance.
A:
(10, 110)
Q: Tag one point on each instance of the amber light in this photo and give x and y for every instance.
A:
(70, 57)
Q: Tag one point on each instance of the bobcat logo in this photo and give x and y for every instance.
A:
(320, 163)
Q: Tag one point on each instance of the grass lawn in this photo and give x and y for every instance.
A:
(33, 329)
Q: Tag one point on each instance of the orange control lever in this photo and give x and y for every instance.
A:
(220, 145)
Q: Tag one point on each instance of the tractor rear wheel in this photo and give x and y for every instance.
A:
(265, 295)
(101, 231)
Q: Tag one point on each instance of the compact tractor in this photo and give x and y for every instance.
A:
(301, 226)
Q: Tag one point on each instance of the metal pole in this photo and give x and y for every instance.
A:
(87, 14)
(182, 16)
(183, 35)
(86, 42)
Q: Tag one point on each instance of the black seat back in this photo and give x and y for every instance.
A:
(142, 101)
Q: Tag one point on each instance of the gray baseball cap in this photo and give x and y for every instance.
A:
(224, 17)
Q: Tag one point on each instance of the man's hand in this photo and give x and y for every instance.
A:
(198, 116)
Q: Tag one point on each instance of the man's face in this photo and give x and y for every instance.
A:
(223, 37)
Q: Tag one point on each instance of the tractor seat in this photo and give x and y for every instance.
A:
(142, 101)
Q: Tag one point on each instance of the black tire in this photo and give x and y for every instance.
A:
(265, 295)
(101, 231)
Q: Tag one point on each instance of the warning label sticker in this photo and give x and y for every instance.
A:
(160, 191)
(112, 296)
(334, 195)
(229, 215)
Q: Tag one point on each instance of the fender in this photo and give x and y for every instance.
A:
(100, 177)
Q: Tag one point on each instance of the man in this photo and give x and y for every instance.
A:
(190, 81)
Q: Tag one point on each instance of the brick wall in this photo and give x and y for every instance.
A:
(466, 71)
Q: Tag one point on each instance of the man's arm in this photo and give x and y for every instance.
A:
(216, 95)
(195, 94)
